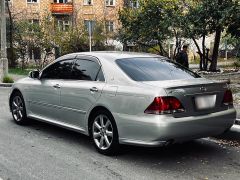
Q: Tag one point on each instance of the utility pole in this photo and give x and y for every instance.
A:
(226, 51)
(3, 60)
(90, 35)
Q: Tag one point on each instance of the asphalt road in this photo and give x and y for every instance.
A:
(42, 151)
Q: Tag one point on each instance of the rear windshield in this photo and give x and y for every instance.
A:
(154, 69)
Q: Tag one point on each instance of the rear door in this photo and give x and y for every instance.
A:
(81, 93)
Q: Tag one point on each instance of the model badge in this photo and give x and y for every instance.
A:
(203, 89)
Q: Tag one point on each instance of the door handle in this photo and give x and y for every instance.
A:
(56, 86)
(94, 89)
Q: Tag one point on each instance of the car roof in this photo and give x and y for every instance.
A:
(111, 55)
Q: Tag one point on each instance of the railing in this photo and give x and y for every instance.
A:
(61, 8)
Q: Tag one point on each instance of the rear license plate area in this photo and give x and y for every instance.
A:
(203, 102)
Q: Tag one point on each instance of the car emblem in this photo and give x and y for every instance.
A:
(203, 89)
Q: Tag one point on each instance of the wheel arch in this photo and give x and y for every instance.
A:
(91, 114)
(15, 90)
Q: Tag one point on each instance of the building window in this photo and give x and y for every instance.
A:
(34, 21)
(9, 2)
(61, 1)
(134, 3)
(109, 26)
(34, 53)
(88, 2)
(89, 24)
(110, 2)
(63, 25)
(32, 1)
(34, 25)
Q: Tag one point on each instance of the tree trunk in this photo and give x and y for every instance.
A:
(12, 54)
(175, 52)
(199, 52)
(213, 66)
(162, 50)
(203, 54)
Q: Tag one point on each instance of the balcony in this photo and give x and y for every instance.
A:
(61, 8)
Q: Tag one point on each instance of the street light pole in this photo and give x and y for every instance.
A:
(90, 35)
(3, 60)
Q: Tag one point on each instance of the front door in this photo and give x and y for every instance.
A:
(44, 98)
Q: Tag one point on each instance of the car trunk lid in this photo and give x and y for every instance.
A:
(198, 96)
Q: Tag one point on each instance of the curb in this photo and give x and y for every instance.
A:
(222, 74)
(6, 84)
(237, 121)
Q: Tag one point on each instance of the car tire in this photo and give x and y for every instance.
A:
(103, 132)
(18, 109)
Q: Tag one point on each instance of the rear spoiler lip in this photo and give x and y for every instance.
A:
(225, 82)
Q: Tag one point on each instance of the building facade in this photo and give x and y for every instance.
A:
(68, 13)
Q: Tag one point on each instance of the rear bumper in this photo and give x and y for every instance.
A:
(157, 130)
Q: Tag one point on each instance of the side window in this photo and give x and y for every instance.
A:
(100, 76)
(58, 70)
(85, 70)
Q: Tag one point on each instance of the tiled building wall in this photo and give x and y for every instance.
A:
(22, 9)
(98, 11)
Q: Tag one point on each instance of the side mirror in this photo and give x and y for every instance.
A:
(34, 74)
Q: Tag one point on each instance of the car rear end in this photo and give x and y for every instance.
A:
(191, 108)
(200, 109)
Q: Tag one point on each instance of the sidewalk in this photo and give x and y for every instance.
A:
(220, 64)
(237, 107)
(17, 77)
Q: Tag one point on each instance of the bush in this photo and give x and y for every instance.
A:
(7, 79)
(236, 64)
(18, 71)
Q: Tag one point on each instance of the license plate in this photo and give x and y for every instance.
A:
(205, 102)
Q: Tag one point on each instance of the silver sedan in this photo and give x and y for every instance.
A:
(124, 98)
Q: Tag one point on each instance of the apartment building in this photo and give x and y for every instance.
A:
(70, 12)
(64, 14)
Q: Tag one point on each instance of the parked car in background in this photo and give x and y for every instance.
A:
(124, 98)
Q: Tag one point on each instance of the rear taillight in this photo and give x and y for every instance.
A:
(164, 105)
(228, 98)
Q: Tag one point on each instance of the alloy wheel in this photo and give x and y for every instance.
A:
(102, 131)
(17, 108)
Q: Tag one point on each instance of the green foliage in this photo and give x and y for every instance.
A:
(7, 79)
(233, 42)
(236, 64)
(29, 37)
(45, 36)
(151, 24)
(154, 50)
(234, 25)
(157, 21)
(18, 71)
(204, 17)
(77, 39)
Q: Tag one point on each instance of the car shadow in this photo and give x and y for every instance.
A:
(232, 136)
(188, 155)
(53, 131)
